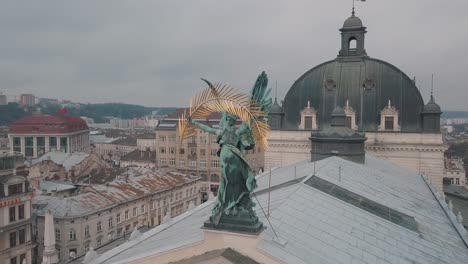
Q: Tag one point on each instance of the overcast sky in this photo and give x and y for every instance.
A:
(154, 52)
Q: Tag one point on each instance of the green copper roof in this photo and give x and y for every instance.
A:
(369, 80)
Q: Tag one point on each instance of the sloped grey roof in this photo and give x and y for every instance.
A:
(67, 160)
(318, 228)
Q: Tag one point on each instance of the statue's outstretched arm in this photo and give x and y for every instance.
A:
(205, 128)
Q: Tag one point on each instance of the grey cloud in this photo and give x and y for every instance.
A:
(154, 52)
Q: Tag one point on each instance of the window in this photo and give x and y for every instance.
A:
(86, 246)
(348, 122)
(457, 181)
(172, 138)
(202, 163)
(22, 236)
(162, 161)
(98, 226)
(29, 146)
(193, 163)
(17, 144)
(202, 152)
(127, 227)
(15, 189)
(110, 221)
(214, 152)
(172, 150)
(98, 242)
(193, 151)
(12, 239)
(126, 215)
(22, 258)
(162, 150)
(352, 44)
(21, 211)
(172, 161)
(135, 211)
(451, 181)
(118, 218)
(12, 212)
(72, 250)
(214, 178)
(63, 144)
(86, 231)
(308, 122)
(57, 234)
(119, 231)
(72, 234)
(182, 162)
(135, 224)
(142, 209)
(53, 143)
(389, 123)
(215, 163)
(182, 151)
(162, 138)
(193, 139)
(204, 177)
(13, 260)
(40, 143)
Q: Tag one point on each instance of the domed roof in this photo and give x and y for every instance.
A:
(276, 108)
(431, 107)
(370, 81)
(352, 22)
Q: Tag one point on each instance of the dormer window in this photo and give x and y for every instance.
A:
(350, 116)
(389, 118)
(308, 118)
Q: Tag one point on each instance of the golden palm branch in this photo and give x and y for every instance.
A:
(223, 98)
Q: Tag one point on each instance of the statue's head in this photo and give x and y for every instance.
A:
(230, 119)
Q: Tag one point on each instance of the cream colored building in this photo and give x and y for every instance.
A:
(455, 171)
(197, 155)
(103, 213)
(116, 149)
(15, 212)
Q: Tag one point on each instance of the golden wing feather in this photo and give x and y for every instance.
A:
(223, 98)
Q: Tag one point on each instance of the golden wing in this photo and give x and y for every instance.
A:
(222, 98)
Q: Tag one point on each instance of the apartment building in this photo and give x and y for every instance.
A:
(198, 155)
(102, 213)
(15, 212)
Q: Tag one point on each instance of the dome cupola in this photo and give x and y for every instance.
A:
(352, 39)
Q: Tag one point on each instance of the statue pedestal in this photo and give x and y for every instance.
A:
(242, 222)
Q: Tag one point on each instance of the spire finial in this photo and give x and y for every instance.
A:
(308, 103)
(389, 103)
(276, 89)
(347, 103)
(352, 13)
(432, 85)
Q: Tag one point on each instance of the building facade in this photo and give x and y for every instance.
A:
(27, 100)
(455, 171)
(15, 212)
(36, 135)
(103, 213)
(197, 155)
(115, 149)
(378, 99)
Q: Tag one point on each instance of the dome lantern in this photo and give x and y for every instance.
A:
(352, 39)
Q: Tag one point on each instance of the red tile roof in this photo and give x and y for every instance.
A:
(47, 124)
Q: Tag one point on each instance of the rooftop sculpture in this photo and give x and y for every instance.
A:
(233, 209)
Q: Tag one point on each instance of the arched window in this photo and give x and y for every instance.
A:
(86, 231)
(352, 43)
(72, 234)
(214, 178)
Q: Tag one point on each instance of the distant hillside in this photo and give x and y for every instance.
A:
(99, 111)
(10, 113)
(455, 114)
